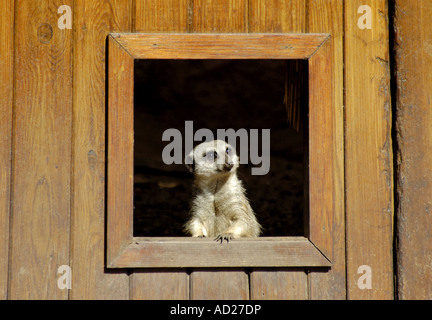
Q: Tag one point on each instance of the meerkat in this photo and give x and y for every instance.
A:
(219, 207)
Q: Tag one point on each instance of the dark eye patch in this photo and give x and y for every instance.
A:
(211, 155)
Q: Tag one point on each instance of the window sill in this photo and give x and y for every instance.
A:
(195, 252)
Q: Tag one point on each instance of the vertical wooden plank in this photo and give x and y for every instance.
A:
(321, 160)
(93, 20)
(231, 284)
(120, 150)
(42, 151)
(368, 151)
(174, 285)
(327, 17)
(6, 101)
(278, 284)
(219, 16)
(323, 223)
(160, 16)
(277, 16)
(413, 29)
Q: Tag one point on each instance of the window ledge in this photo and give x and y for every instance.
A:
(195, 252)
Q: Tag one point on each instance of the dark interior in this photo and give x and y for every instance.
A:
(214, 94)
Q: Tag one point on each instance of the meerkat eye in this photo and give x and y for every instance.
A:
(228, 150)
(211, 155)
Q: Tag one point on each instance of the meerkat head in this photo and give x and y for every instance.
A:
(212, 158)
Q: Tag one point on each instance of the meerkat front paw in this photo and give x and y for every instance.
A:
(224, 236)
(200, 235)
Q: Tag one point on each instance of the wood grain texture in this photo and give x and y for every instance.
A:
(327, 16)
(219, 284)
(279, 284)
(42, 151)
(6, 104)
(288, 17)
(194, 252)
(321, 155)
(277, 16)
(93, 20)
(220, 46)
(413, 29)
(161, 16)
(120, 150)
(219, 16)
(159, 284)
(368, 151)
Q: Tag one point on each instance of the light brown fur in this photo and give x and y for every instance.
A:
(219, 208)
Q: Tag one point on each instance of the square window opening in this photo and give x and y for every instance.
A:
(221, 94)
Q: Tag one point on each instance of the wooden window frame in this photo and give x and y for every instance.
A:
(126, 251)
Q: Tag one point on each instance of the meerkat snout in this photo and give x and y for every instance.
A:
(211, 158)
(219, 207)
(229, 165)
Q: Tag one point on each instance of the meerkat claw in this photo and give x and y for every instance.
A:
(225, 236)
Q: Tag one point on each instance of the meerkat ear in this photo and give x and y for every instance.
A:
(189, 162)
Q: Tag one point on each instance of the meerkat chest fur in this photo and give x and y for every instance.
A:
(220, 194)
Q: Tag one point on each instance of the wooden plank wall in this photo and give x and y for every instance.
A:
(368, 151)
(6, 102)
(93, 20)
(41, 188)
(327, 17)
(413, 30)
(53, 148)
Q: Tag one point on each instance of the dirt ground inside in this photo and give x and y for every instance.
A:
(215, 94)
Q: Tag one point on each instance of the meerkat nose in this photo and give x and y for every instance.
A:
(229, 165)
